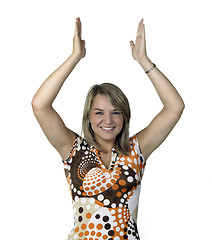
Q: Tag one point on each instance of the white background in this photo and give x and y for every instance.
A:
(36, 37)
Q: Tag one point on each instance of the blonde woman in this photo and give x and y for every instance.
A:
(105, 167)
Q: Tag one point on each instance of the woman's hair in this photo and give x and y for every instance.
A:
(120, 102)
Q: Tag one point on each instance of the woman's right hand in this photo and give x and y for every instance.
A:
(79, 50)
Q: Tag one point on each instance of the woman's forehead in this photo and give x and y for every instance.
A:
(102, 102)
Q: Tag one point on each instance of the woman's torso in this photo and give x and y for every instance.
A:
(105, 201)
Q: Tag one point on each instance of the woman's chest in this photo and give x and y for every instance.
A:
(106, 159)
(89, 176)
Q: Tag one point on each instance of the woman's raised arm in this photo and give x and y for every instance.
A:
(160, 127)
(54, 128)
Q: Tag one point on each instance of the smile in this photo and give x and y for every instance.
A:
(107, 128)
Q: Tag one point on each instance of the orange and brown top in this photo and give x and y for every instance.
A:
(105, 201)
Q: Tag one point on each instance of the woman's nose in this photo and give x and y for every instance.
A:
(108, 119)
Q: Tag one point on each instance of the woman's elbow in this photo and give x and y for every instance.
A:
(180, 108)
(36, 104)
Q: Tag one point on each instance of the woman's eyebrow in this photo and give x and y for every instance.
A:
(99, 109)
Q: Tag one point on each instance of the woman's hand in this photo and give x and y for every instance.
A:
(139, 48)
(79, 50)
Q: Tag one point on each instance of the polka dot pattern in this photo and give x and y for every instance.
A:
(105, 201)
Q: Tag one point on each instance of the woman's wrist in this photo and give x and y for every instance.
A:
(146, 63)
(75, 57)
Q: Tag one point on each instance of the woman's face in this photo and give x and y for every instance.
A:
(106, 121)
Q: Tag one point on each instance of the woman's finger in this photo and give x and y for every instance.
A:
(78, 27)
(132, 44)
(140, 31)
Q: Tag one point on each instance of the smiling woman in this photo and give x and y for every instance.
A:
(105, 168)
(106, 124)
(106, 118)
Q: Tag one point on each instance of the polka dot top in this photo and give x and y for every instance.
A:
(105, 201)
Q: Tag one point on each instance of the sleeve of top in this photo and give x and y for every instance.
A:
(134, 140)
(73, 148)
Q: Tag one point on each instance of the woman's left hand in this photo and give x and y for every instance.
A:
(139, 48)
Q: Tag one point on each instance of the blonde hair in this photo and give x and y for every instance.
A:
(120, 102)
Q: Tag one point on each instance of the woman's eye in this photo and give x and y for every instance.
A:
(116, 113)
(99, 113)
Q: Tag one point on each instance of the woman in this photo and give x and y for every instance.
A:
(104, 169)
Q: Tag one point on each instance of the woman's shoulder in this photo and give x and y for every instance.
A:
(134, 140)
(80, 143)
(76, 145)
(135, 147)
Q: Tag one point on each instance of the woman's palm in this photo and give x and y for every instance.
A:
(78, 44)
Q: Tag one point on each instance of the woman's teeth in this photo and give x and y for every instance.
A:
(104, 128)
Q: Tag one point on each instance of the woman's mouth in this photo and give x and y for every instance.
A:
(108, 129)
